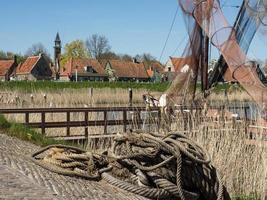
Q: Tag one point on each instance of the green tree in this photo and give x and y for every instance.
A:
(74, 49)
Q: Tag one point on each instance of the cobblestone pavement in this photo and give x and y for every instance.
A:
(22, 179)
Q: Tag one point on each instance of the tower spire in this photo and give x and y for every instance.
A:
(57, 55)
(57, 38)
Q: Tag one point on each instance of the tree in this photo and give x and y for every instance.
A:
(98, 46)
(126, 57)
(3, 55)
(36, 49)
(148, 58)
(74, 49)
(11, 56)
(110, 56)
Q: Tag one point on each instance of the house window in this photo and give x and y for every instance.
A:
(89, 69)
(169, 69)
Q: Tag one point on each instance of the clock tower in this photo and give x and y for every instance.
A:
(57, 54)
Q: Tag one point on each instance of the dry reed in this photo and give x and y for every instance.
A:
(243, 167)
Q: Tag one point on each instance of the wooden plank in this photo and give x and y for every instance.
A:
(124, 121)
(78, 137)
(27, 118)
(68, 123)
(86, 123)
(82, 137)
(63, 110)
(42, 122)
(105, 122)
(81, 123)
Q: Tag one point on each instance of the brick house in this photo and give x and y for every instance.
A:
(7, 68)
(174, 66)
(35, 68)
(83, 70)
(155, 70)
(127, 70)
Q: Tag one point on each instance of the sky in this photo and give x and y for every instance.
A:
(132, 27)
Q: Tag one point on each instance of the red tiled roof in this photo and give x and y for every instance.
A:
(28, 65)
(128, 69)
(155, 66)
(5, 66)
(178, 63)
(79, 64)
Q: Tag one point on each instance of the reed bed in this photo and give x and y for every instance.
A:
(242, 166)
(71, 98)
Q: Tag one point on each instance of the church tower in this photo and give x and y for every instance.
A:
(57, 54)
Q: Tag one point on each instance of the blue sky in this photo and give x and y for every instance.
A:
(132, 27)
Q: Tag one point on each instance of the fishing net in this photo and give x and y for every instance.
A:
(183, 87)
(233, 45)
(247, 23)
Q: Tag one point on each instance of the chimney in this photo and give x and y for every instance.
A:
(135, 60)
(15, 59)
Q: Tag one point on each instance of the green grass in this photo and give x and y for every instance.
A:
(31, 86)
(24, 133)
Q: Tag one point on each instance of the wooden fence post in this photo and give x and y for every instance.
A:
(43, 122)
(124, 121)
(130, 97)
(27, 118)
(86, 124)
(139, 120)
(159, 119)
(105, 122)
(68, 121)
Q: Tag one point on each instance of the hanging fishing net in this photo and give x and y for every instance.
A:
(233, 43)
(183, 87)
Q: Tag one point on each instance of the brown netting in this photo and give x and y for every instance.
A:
(208, 16)
(183, 87)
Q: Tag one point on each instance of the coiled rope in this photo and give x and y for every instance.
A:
(153, 166)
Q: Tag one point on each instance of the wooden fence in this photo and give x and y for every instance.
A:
(43, 124)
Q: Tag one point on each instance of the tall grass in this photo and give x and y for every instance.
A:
(243, 167)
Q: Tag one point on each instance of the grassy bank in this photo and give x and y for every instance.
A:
(32, 86)
(21, 132)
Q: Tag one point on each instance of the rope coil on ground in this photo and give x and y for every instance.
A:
(153, 166)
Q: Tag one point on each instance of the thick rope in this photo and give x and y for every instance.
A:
(153, 166)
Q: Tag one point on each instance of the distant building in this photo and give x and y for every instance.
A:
(174, 66)
(127, 70)
(57, 56)
(34, 68)
(83, 70)
(7, 67)
(155, 70)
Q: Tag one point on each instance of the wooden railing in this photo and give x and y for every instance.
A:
(43, 124)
